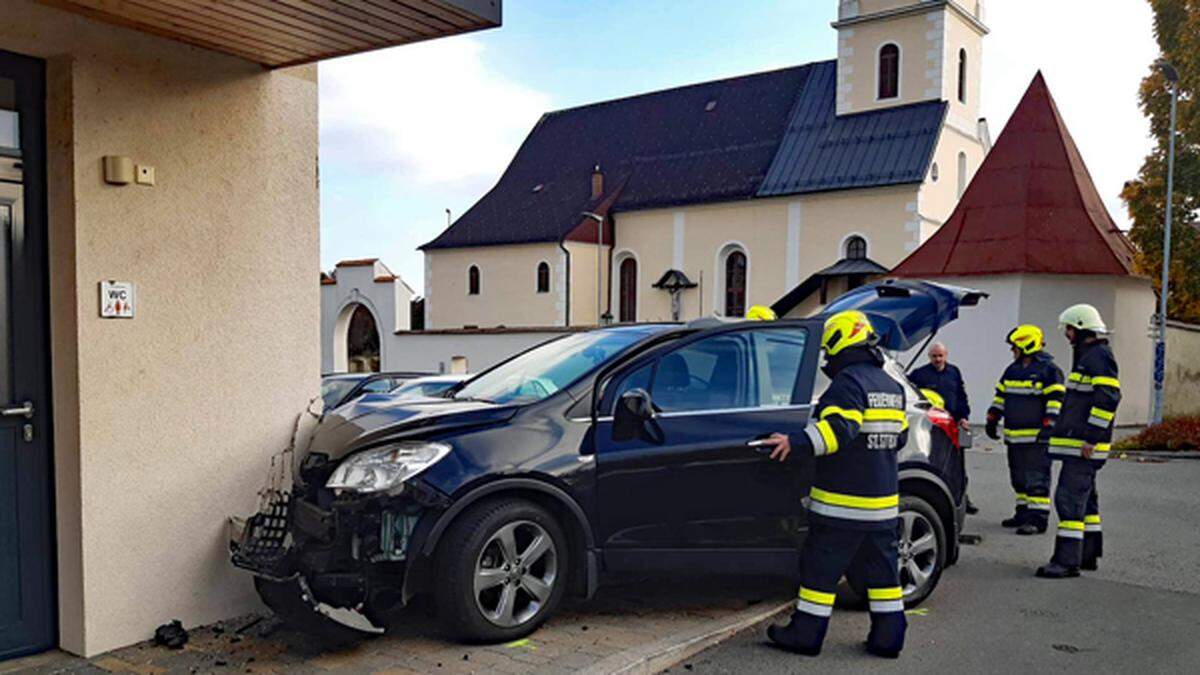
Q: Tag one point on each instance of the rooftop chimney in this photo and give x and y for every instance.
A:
(597, 183)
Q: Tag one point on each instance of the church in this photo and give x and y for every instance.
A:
(708, 198)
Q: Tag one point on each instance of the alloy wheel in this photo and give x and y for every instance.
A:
(918, 551)
(515, 573)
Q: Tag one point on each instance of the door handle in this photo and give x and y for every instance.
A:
(25, 410)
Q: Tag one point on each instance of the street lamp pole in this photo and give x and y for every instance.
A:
(1160, 346)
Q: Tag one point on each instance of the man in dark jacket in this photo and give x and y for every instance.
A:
(1081, 439)
(858, 426)
(944, 379)
(1028, 399)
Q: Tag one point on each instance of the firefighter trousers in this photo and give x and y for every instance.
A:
(1080, 539)
(1029, 474)
(828, 551)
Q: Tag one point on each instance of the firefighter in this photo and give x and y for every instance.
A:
(859, 425)
(1080, 439)
(1028, 399)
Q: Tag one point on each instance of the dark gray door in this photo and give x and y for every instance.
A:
(27, 601)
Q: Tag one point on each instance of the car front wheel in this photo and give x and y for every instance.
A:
(502, 571)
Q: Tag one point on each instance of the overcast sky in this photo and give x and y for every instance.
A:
(411, 131)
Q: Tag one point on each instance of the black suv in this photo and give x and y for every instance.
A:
(622, 449)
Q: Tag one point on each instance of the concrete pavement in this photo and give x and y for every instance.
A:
(1140, 612)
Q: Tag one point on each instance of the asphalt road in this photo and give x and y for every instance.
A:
(1139, 612)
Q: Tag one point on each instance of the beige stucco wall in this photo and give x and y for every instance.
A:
(939, 197)
(157, 438)
(1182, 385)
(507, 289)
(785, 239)
(508, 286)
(929, 42)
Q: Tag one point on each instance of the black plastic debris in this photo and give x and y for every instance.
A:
(171, 635)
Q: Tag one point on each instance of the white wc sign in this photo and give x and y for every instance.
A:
(116, 300)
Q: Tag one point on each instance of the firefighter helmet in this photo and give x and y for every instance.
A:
(847, 329)
(1082, 317)
(761, 313)
(1027, 338)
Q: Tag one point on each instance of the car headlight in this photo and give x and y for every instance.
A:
(385, 468)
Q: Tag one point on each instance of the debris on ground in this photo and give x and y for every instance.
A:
(920, 611)
(970, 539)
(171, 635)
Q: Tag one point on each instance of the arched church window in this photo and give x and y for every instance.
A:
(856, 248)
(473, 280)
(962, 76)
(889, 71)
(627, 298)
(962, 173)
(543, 277)
(735, 284)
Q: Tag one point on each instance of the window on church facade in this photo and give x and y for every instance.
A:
(962, 173)
(735, 284)
(962, 76)
(543, 277)
(627, 300)
(889, 71)
(856, 248)
(473, 280)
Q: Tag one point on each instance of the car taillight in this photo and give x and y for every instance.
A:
(942, 420)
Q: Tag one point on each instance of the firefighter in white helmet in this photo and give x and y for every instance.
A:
(1081, 438)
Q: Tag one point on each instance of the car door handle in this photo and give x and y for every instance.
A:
(25, 410)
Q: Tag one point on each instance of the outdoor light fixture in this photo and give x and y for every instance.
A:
(1160, 345)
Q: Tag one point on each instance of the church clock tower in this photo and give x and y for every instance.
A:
(896, 52)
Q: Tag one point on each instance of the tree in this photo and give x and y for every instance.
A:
(1177, 29)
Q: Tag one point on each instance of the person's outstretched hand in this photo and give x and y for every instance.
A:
(780, 444)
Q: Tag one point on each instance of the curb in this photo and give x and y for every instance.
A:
(1162, 454)
(658, 656)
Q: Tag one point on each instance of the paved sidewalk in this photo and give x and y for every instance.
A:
(628, 628)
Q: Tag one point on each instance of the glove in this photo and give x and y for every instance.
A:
(992, 432)
(1044, 435)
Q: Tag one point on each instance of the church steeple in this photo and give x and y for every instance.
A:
(896, 52)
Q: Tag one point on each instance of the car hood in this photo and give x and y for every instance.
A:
(368, 420)
(904, 312)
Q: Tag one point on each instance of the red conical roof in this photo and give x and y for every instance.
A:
(1031, 207)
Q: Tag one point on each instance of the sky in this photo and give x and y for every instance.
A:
(409, 132)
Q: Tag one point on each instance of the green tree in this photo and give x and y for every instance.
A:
(1177, 29)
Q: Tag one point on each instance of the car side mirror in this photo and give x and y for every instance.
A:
(634, 410)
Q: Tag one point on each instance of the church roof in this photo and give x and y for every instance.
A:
(1031, 207)
(764, 134)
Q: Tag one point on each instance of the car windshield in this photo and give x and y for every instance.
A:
(334, 390)
(543, 370)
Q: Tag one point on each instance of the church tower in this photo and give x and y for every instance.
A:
(896, 52)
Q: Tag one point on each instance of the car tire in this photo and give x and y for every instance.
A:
(922, 554)
(502, 570)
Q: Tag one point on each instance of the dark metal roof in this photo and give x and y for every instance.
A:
(821, 151)
(841, 268)
(672, 279)
(769, 133)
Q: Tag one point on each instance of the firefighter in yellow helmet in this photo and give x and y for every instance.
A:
(761, 313)
(1028, 400)
(858, 425)
(1080, 439)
